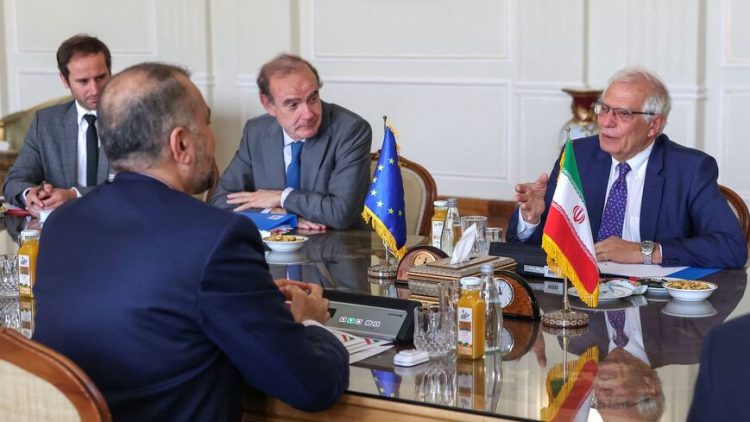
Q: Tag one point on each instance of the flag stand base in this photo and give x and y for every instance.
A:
(565, 317)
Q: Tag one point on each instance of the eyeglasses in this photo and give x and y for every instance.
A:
(620, 114)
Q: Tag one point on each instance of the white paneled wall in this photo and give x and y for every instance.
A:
(472, 87)
(473, 90)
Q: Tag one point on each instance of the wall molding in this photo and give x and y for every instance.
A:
(724, 95)
(151, 25)
(316, 55)
(727, 61)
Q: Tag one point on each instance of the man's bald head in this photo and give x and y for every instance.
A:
(139, 108)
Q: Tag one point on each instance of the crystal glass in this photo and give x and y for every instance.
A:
(432, 330)
(8, 275)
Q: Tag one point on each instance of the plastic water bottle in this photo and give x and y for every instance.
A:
(451, 228)
(493, 314)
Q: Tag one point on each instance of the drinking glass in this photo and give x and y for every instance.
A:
(480, 243)
(8, 275)
(432, 330)
(494, 234)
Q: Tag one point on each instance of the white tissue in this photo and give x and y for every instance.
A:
(462, 250)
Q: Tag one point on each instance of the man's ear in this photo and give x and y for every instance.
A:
(268, 104)
(655, 126)
(64, 80)
(181, 145)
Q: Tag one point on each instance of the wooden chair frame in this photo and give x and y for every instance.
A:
(740, 208)
(58, 370)
(431, 194)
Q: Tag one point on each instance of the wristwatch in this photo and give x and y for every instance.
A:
(647, 250)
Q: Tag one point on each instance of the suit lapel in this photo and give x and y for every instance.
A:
(272, 153)
(652, 190)
(69, 145)
(314, 151)
(595, 177)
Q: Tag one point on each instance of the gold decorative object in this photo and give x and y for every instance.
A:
(583, 122)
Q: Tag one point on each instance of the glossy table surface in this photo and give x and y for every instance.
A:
(541, 375)
(538, 375)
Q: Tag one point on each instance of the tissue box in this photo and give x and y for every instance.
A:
(424, 280)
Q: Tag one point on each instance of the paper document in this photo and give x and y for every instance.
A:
(642, 270)
(360, 348)
(636, 270)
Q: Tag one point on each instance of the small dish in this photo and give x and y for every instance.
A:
(679, 308)
(689, 295)
(614, 293)
(286, 244)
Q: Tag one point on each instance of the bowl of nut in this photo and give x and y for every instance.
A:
(689, 291)
(285, 242)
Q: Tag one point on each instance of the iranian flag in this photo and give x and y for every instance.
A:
(567, 235)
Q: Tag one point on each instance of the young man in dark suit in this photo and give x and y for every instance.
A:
(61, 158)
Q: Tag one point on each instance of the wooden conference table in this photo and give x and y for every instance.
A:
(526, 381)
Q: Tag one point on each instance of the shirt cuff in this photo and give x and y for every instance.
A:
(284, 194)
(524, 229)
(78, 194)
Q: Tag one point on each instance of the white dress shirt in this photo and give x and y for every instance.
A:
(634, 333)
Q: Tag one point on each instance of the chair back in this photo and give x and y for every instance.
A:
(739, 208)
(40, 384)
(13, 127)
(420, 192)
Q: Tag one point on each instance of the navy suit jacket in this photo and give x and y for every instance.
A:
(682, 208)
(168, 305)
(721, 388)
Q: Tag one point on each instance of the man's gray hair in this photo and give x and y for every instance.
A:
(138, 109)
(658, 101)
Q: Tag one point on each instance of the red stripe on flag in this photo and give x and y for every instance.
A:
(559, 228)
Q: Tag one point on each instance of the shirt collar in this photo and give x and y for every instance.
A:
(288, 139)
(82, 112)
(638, 162)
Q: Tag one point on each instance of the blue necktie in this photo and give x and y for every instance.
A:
(294, 272)
(293, 171)
(617, 321)
(614, 212)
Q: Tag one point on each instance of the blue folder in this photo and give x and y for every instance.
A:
(270, 221)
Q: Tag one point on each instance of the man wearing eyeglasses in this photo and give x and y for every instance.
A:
(649, 199)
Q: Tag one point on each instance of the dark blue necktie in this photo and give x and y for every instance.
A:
(293, 171)
(617, 321)
(92, 150)
(614, 212)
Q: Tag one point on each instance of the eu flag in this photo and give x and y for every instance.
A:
(385, 199)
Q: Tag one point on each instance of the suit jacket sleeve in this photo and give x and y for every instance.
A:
(238, 177)
(716, 238)
(340, 207)
(27, 170)
(241, 310)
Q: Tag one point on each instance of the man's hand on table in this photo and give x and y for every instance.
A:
(258, 199)
(308, 227)
(47, 197)
(621, 251)
(305, 304)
